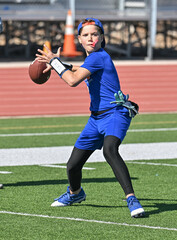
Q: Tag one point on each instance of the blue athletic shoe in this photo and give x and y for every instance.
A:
(135, 207)
(68, 199)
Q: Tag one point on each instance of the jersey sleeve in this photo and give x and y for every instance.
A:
(94, 62)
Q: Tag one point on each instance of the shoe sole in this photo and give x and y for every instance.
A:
(138, 213)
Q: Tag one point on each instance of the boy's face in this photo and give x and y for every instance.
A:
(90, 38)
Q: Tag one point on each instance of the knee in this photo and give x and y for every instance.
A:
(110, 146)
(70, 167)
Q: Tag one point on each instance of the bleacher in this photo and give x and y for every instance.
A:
(111, 10)
(107, 10)
(28, 23)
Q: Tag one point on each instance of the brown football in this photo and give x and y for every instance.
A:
(36, 74)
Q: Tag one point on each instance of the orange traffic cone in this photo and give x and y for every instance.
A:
(69, 48)
(47, 43)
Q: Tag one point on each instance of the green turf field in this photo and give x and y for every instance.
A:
(76, 124)
(25, 211)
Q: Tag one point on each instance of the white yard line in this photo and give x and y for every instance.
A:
(38, 134)
(5, 172)
(73, 133)
(60, 166)
(58, 155)
(154, 164)
(89, 221)
(153, 130)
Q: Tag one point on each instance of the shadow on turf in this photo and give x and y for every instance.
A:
(160, 207)
(63, 181)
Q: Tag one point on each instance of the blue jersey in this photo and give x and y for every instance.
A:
(103, 81)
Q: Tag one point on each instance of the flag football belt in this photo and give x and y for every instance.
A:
(129, 104)
(120, 100)
(101, 112)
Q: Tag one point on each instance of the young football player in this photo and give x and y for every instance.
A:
(111, 114)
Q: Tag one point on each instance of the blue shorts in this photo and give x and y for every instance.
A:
(115, 122)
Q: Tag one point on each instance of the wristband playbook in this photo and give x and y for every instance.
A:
(59, 66)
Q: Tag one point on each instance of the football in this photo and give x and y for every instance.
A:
(36, 74)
